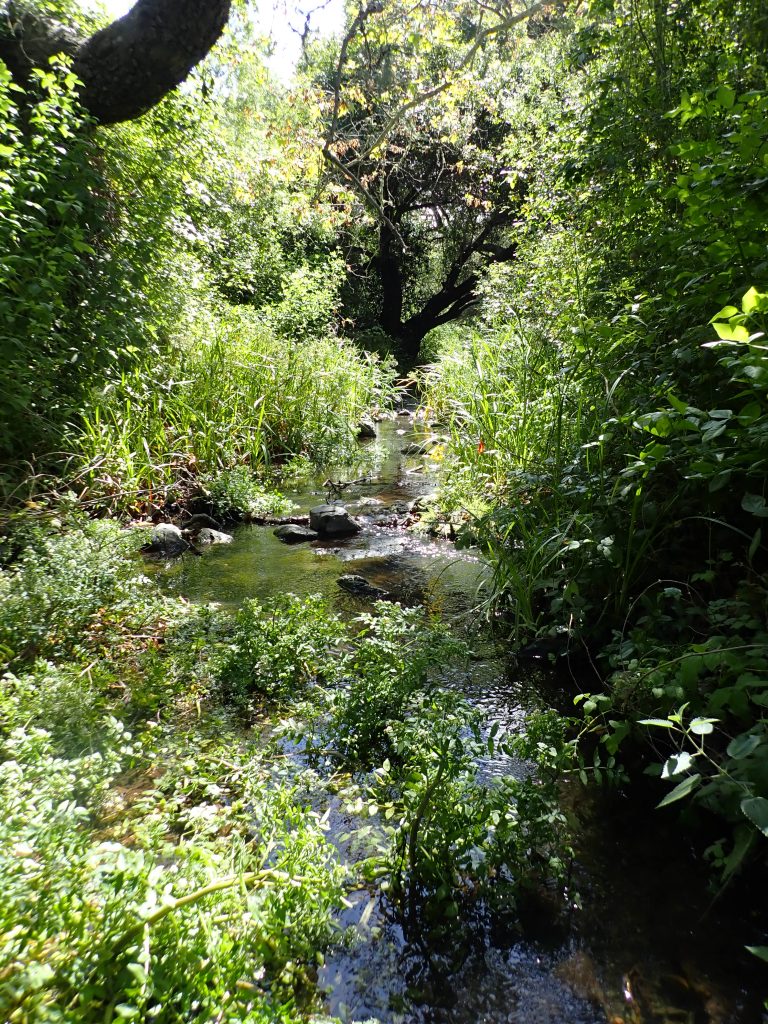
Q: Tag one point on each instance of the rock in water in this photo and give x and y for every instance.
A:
(359, 586)
(332, 521)
(209, 536)
(293, 534)
(366, 429)
(420, 448)
(167, 542)
(199, 520)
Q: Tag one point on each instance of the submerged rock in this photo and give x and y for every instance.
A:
(359, 586)
(291, 533)
(167, 541)
(208, 536)
(332, 521)
(420, 447)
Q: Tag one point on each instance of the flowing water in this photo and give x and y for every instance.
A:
(643, 948)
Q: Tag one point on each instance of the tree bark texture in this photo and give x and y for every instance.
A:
(129, 66)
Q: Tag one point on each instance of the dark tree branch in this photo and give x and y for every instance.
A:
(129, 66)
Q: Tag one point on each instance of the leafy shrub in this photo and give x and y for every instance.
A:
(390, 661)
(237, 494)
(153, 925)
(68, 592)
(452, 834)
(47, 212)
(278, 648)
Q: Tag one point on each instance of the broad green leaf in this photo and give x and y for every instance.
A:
(742, 746)
(663, 723)
(755, 503)
(681, 790)
(751, 412)
(725, 312)
(759, 951)
(749, 301)
(756, 809)
(725, 96)
(702, 726)
(728, 333)
(676, 765)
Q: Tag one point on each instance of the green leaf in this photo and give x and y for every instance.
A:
(751, 412)
(742, 746)
(756, 809)
(755, 503)
(677, 764)
(759, 951)
(681, 790)
(749, 300)
(732, 333)
(725, 313)
(725, 96)
(663, 723)
(702, 726)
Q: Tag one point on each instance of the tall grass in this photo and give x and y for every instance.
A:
(522, 418)
(511, 403)
(240, 395)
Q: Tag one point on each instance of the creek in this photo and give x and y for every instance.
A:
(643, 947)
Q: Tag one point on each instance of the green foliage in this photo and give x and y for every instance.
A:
(183, 915)
(393, 657)
(67, 592)
(278, 648)
(609, 444)
(136, 882)
(238, 394)
(48, 213)
(236, 494)
(449, 833)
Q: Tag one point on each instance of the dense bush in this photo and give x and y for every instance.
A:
(608, 423)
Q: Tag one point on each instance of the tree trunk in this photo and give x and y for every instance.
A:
(129, 66)
(391, 280)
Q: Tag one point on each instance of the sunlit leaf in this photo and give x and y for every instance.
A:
(681, 790)
(756, 809)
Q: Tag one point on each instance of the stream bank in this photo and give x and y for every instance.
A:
(639, 945)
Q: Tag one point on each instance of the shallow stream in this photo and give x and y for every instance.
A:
(645, 948)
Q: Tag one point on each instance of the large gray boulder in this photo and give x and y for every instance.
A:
(332, 521)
